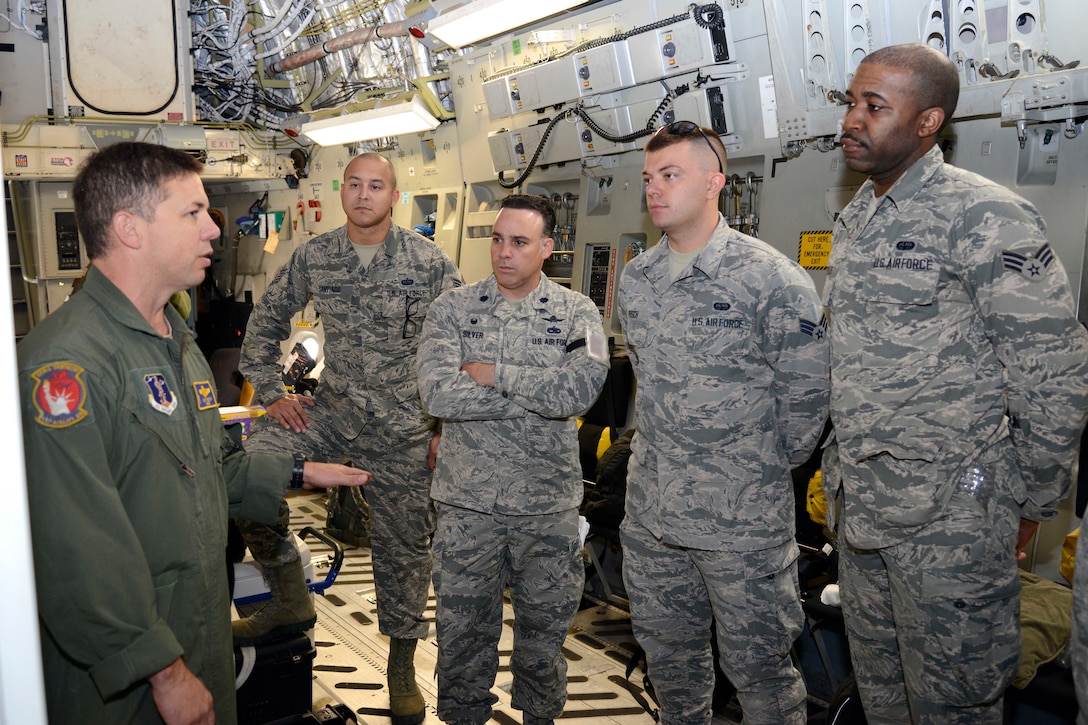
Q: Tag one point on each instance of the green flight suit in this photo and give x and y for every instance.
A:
(131, 479)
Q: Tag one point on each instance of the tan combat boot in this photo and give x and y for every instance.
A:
(289, 611)
(405, 700)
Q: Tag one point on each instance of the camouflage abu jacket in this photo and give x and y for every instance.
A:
(511, 449)
(371, 319)
(731, 361)
(948, 311)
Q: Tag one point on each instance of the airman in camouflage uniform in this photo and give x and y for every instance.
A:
(367, 405)
(959, 389)
(727, 341)
(504, 363)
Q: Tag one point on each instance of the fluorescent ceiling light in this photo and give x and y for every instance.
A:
(479, 19)
(395, 119)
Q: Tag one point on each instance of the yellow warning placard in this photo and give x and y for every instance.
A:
(813, 249)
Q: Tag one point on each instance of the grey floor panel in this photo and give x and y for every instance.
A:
(349, 667)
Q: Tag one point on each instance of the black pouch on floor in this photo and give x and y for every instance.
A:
(278, 680)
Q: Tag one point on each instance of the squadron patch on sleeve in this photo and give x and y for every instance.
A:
(160, 397)
(205, 395)
(1032, 266)
(59, 395)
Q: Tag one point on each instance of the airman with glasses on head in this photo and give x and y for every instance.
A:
(726, 339)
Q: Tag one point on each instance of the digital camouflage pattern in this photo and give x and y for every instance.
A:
(1078, 641)
(511, 449)
(959, 371)
(507, 484)
(754, 602)
(952, 645)
(950, 287)
(540, 558)
(397, 512)
(370, 318)
(731, 361)
(367, 403)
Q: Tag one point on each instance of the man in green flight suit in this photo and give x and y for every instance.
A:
(131, 475)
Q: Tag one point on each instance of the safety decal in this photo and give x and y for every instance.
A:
(1033, 266)
(59, 395)
(160, 396)
(205, 395)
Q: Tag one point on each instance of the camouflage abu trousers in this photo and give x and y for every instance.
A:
(1078, 641)
(754, 599)
(477, 556)
(401, 518)
(934, 622)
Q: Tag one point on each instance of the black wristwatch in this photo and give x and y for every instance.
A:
(297, 470)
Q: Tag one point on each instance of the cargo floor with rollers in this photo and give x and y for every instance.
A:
(349, 654)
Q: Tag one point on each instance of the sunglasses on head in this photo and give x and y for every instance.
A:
(688, 128)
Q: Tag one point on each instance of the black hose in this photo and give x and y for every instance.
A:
(536, 154)
(705, 16)
(708, 16)
(593, 126)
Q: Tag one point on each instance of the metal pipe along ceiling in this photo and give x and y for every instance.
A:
(332, 45)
